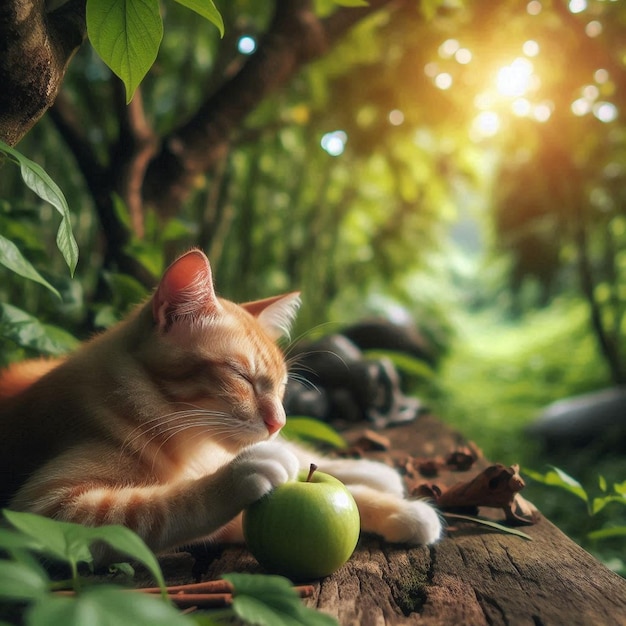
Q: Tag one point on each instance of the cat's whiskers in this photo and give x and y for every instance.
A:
(217, 425)
(157, 424)
(293, 344)
(304, 381)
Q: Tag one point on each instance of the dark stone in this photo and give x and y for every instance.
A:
(592, 418)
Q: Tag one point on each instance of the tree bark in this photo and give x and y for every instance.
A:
(295, 37)
(35, 50)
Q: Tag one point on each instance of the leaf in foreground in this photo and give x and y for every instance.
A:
(71, 542)
(272, 601)
(20, 582)
(105, 606)
(206, 9)
(127, 35)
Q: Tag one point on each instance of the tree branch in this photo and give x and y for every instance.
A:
(135, 147)
(295, 37)
(35, 49)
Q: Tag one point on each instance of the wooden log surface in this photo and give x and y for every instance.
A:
(474, 576)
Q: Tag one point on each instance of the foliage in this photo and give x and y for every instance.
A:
(271, 601)
(262, 600)
(530, 363)
(38, 181)
(313, 431)
(556, 477)
(604, 496)
(127, 35)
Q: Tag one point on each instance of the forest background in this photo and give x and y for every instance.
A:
(457, 164)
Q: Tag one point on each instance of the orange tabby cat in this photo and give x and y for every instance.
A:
(168, 422)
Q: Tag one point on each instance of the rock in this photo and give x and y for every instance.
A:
(592, 418)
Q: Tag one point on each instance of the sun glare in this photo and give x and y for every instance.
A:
(515, 80)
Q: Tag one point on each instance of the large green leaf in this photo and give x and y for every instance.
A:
(124, 540)
(11, 257)
(127, 35)
(207, 9)
(20, 582)
(28, 332)
(38, 181)
(72, 542)
(271, 601)
(56, 539)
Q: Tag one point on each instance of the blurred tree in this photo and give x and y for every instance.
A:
(329, 147)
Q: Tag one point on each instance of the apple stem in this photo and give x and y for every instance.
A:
(312, 469)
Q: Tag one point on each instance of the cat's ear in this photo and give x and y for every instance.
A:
(275, 314)
(185, 289)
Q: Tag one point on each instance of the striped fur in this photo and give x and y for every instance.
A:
(168, 422)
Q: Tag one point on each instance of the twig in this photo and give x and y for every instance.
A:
(208, 594)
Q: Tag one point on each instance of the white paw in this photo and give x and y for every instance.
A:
(415, 522)
(363, 472)
(263, 467)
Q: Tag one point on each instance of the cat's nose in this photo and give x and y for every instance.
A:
(273, 417)
(273, 426)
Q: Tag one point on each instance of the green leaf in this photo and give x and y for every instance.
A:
(28, 332)
(602, 483)
(11, 540)
(491, 524)
(57, 539)
(127, 35)
(599, 503)
(403, 362)
(313, 431)
(105, 606)
(608, 533)
(38, 181)
(12, 258)
(272, 601)
(19, 582)
(558, 478)
(352, 3)
(72, 542)
(124, 540)
(620, 488)
(207, 10)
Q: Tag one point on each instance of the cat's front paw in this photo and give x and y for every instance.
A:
(261, 468)
(415, 522)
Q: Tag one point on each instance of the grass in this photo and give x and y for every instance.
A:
(498, 377)
(500, 374)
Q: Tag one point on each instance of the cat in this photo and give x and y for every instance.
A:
(169, 422)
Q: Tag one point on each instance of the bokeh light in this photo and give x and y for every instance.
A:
(530, 48)
(534, 7)
(396, 117)
(577, 6)
(443, 80)
(246, 44)
(334, 143)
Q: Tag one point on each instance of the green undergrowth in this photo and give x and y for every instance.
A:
(495, 382)
(29, 596)
(500, 374)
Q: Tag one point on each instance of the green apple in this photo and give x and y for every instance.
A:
(305, 528)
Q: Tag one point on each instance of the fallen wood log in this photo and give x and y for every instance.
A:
(474, 576)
